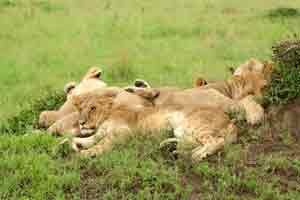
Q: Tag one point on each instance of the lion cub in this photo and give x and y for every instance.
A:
(65, 120)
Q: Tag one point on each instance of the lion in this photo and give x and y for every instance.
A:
(114, 116)
(248, 82)
(65, 119)
(196, 115)
(237, 93)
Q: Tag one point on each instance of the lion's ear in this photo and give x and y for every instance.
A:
(69, 87)
(200, 82)
(93, 72)
(141, 83)
(231, 70)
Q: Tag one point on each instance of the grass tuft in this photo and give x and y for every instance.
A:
(122, 69)
(284, 13)
(27, 118)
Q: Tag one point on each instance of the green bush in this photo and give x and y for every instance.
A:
(283, 12)
(27, 117)
(285, 82)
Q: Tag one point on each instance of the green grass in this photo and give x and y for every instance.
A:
(46, 43)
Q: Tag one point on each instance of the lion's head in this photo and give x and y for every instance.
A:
(90, 81)
(254, 65)
(256, 82)
(110, 103)
(256, 76)
(94, 108)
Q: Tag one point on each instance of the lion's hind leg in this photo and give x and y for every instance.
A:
(209, 147)
(211, 144)
(201, 132)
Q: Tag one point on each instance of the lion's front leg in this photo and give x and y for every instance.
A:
(104, 145)
(147, 93)
(79, 143)
(254, 111)
(109, 133)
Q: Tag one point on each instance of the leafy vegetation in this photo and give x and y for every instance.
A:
(27, 118)
(285, 84)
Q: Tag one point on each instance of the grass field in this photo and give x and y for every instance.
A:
(46, 43)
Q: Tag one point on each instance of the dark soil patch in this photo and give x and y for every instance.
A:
(89, 187)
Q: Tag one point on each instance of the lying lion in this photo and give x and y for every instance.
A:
(196, 115)
(110, 115)
(236, 93)
(65, 120)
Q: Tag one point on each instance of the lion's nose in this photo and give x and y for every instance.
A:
(82, 122)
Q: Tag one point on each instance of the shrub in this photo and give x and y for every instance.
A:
(28, 116)
(287, 53)
(285, 83)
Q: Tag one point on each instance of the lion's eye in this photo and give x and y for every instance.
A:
(93, 108)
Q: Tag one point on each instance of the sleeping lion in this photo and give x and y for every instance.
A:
(111, 117)
(196, 115)
(65, 120)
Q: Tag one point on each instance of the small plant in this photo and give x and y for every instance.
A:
(28, 116)
(283, 12)
(287, 53)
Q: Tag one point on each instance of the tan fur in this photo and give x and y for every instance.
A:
(199, 82)
(196, 115)
(254, 65)
(65, 113)
(114, 117)
(67, 125)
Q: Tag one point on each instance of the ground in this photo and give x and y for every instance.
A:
(46, 43)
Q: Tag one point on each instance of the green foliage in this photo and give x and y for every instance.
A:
(287, 53)
(284, 12)
(27, 117)
(285, 82)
